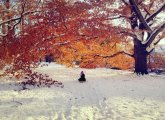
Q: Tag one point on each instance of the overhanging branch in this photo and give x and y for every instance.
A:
(17, 18)
(128, 34)
(156, 13)
(114, 55)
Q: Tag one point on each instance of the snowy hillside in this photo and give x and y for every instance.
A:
(107, 95)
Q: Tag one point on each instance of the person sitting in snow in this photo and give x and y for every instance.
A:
(82, 77)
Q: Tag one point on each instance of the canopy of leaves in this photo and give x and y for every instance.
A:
(88, 32)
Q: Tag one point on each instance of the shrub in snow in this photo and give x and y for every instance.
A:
(39, 80)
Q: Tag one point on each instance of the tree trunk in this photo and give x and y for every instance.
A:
(140, 53)
(140, 56)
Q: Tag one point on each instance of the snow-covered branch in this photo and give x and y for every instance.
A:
(139, 15)
(118, 17)
(156, 13)
(151, 48)
(154, 34)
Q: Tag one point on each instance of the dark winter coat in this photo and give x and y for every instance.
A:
(82, 78)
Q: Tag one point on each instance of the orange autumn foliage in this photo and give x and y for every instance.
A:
(66, 31)
(89, 55)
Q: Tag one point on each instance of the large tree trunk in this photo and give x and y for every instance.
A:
(140, 56)
(140, 53)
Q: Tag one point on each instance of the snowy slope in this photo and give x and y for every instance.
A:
(107, 95)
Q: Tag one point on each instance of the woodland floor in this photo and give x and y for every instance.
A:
(107, 95)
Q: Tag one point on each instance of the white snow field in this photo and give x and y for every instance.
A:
(107, 95)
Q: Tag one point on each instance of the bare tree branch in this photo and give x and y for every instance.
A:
(21, 16)
(152, 2)
(156, 13)
(140, 2)
(118, 17)
(158, 41)
(128, 34)
(139, 15)
(151, 51)
(39, 1)
(146, 10)
(111, 56)
(9, 20)
(154, 34)
(17, 18)
(155, 45)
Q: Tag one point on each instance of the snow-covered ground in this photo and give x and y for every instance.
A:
(107, 95)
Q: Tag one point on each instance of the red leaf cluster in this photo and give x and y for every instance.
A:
(40, 80)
